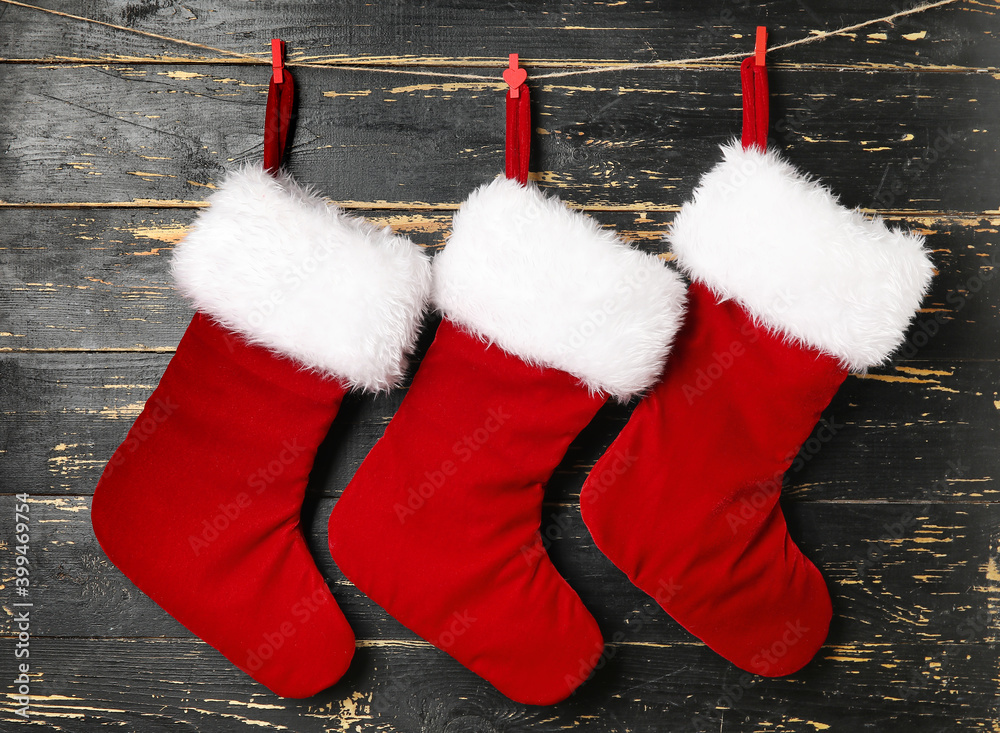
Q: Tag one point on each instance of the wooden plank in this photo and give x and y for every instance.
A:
(579, 32)
(151, 686)
(99, 279)
(932, 580)
(160, 135)
(105, 164)
(894, 433)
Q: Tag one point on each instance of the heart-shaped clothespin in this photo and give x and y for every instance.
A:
(514, 76)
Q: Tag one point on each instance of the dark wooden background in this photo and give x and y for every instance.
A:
(110, 142)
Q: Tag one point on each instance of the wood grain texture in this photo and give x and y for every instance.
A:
(914, 142)
(397, 687)
(99, 278)
(449, 31)
(112, 142)
(932, 580)
(893, 433)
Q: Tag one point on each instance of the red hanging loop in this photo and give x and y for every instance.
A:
(518, 148)
(278, 114)
(753, 74)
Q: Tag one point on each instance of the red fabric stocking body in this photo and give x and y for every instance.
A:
(453, 492)
(200, 506)
(789, 291)
(545, 315)
(723, 564)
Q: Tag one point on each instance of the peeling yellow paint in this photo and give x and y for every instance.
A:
(180, 74)
(848, 659)
(243, 720)
(413, 222)
(456, 86)
(992, 571)
(170, 234)
(130, 410)
(894, 378)
(925, 372)
(814, 724)
(354, 710)
(352, 95)
(240, 703)
(65, 504)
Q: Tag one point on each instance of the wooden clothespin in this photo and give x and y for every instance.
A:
(278, 60)
(514, 76)
(518, 146)
(760, 48)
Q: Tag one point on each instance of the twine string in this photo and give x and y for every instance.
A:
(814, 37)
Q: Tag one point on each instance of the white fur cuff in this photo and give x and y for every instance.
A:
(547, 284)
(780, 243)
(277, 264)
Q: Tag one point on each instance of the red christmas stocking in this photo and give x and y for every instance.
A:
(790, 291)
(545, 315)
(200, 505)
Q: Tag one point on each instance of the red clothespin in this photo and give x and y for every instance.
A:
(756, 102)
(761, 46)
(278, 60)
(514, 76)
(518, 147)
